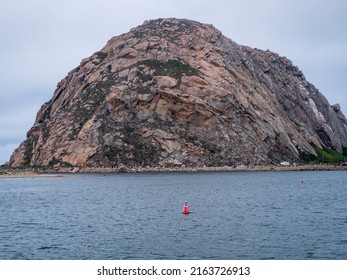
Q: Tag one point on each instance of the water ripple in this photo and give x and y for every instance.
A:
(260, 215)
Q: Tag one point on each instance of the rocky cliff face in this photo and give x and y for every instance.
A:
(177, 92)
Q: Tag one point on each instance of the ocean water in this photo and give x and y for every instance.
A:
(242, 215)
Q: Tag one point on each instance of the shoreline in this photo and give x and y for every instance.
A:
(7, 173)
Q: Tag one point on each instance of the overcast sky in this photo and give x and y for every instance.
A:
(42, 40)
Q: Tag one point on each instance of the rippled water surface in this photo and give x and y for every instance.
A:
(255, 215)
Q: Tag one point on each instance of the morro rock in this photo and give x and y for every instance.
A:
(177, 92)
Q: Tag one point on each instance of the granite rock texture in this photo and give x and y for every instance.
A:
(177, 92)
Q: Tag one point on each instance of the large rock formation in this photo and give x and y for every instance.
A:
(177, 92)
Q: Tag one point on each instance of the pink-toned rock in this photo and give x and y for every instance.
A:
(142, 47)
(193, 81)
(173, 92)
(165, 81)
(127, 53)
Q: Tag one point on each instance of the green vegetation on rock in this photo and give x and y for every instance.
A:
(173, 68)
(344, 151)
(325, 155)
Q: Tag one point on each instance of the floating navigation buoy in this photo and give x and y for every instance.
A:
(185, 210)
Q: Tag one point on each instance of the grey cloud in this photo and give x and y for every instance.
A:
(5, 152)
(15, 121)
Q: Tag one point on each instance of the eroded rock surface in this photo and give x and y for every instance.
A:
(177, 92)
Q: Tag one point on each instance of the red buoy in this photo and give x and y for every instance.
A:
(185, 209)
